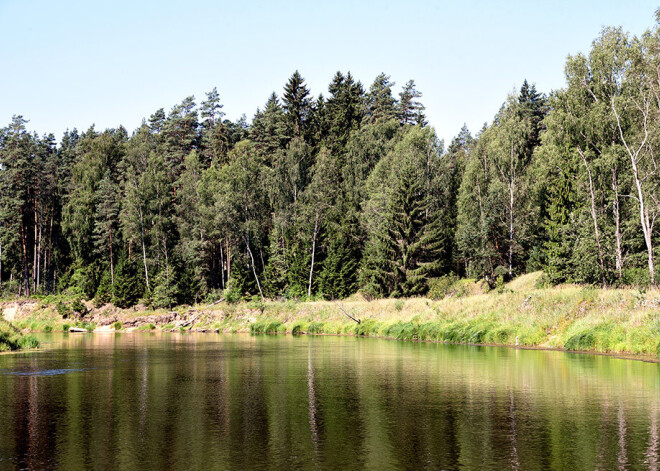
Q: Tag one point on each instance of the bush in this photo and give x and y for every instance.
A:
(442, 287)
(265, 327)
(78, 307)
(296, 329)
(28, 341)
(117, 325)
(63, 309)
(499, 284)
(233, 293)
(398, 304)
(315, 328)
(636, 277)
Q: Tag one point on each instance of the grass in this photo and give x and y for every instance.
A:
(13, 339)
(524, 312)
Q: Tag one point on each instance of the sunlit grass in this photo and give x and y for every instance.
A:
(523, 313)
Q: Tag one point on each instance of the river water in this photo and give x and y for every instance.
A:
(213, 401)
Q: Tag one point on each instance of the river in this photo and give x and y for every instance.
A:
(214, 401)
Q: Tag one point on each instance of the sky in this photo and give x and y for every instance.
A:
(69, 64)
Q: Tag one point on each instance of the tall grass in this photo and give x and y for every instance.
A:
(525, 312)
(12, 339)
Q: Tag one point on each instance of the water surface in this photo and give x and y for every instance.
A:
(212, 401)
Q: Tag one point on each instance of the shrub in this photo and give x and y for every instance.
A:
(442, 287)
(636, 277)
(297, 328)
(78, 307)
(398, 304)
(315, 328)
(232, 294)
(499, 284)
(28, 341)
(117, 325)
(63, 309)
(265, 327)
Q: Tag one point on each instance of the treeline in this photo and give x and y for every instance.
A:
(325, 196)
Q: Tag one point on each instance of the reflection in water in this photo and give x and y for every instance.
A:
(170, 401)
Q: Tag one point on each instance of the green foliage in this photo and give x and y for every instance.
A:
(78, 307)
(441, 287)
(322, 197)
(83, 281)
(63, 309)
(104, 291)
(265, 327)
(165, 291)
(12, 339)
(128, 287)
(117, 325)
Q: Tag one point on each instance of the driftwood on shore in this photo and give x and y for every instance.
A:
(348, 315)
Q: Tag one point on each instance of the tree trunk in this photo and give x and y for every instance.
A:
(311, 268)
(228, 262)
(254, 270)
(511, 189)
(617, 225)
(50, 250)
(144, 252)
(647, 228)
(38, 282)
(34, 246)
(594, 216)
(222, 268)
(26, 274)
(112, 264)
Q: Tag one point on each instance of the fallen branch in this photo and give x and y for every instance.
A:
(348, 315)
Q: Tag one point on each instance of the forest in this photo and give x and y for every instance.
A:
(325, 196)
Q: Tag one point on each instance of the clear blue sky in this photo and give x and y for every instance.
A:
(70, 64)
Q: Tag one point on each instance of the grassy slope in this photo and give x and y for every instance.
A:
(569, 317)
(12, 339)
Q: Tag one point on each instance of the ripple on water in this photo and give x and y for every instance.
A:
(52, 372)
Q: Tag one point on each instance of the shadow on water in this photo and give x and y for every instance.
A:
(171, 401)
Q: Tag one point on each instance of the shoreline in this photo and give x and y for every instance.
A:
(624, 323)
(615, 355)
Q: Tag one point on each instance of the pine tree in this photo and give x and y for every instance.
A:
(268, 130)
(380, 104)
(297, 105)
(410, 110)
(344, 110)
(106, 221)
(180, 134)
(214, 142)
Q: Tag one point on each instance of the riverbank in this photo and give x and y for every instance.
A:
(12, 338)
(568, 317)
